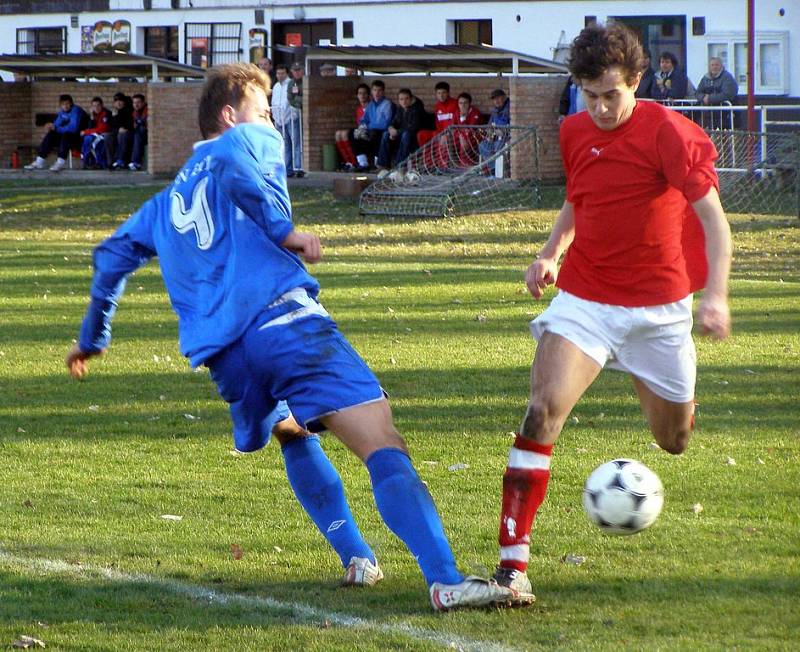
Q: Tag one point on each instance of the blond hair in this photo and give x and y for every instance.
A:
(227, 84)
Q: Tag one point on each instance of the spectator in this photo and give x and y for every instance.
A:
(377, 118)
(400, 139)
(265, 63)
(93, 151)
(344, 137)
(648, 74)
(63, 134)
(445, 110)
(571, 100)
(139, 132)
(669, 83)
(466, 140)
(717, 86)
(293, 136)
(118, 137)
(327, 70)
(496, 138)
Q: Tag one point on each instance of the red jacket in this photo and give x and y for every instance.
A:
(446, 114)
(100, 122)
(473, 117)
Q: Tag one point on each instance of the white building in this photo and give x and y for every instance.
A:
(204, 32)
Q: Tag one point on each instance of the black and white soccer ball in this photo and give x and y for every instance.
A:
(623, 497)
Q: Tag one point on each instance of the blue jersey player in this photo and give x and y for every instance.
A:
(247, 309)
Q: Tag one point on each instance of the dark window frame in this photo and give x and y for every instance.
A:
(215, 33)
(483, 26)
(171, 36)
(35, 32)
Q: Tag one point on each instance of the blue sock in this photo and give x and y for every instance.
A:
(318, 488)
(408, 510)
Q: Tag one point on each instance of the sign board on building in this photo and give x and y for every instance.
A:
(101, 36)
(121, 36)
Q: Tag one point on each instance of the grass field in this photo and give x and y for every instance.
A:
(438, 309)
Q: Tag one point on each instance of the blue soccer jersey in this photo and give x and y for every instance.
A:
(217, 231)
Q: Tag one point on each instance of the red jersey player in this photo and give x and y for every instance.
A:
(643, 228)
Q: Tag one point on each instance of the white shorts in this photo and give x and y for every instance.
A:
(653, 343)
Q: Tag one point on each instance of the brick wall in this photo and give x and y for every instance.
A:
(172, 125)
(15, 127)
(329, 104)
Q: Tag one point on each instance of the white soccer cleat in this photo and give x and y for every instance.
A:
(58, 165)
(472, 592)
(38, 164)
(518, 582)
(362, 572)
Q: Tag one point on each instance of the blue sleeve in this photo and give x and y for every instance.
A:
(114, 259)
(369, 115)
(385, 115)
(68, 122)
(250, 171)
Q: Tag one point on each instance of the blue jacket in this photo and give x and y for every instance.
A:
(69, 121)
(501, 117)
(217, 231)
(378, 114)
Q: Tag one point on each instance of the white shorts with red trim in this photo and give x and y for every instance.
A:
(653, 343)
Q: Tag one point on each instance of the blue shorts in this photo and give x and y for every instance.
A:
(281, 363)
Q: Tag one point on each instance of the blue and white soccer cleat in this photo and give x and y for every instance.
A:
(362, 572)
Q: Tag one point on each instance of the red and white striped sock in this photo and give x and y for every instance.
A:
(524, 487)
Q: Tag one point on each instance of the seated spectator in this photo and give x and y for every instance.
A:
(643, 91)
(327, 70)
(496, 139)
(400, 139)
(93, 151)
(466, 140)
(63, 134)
(139, 133)
(669, 83)
(717, 85)
(344, 137)
(377, 118)
(445, 112)
(571, 100)
(117, 137)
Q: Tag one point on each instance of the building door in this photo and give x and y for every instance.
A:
(659, 34)
(291, 38)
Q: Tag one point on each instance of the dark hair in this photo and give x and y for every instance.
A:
(360, 86)
(227, 84)
(671, 57)
(378, 84)
(596, 49)
(97, 99)
(65, 98)
(405, 91)
(646, 53)
(466, 95)
(282, 66)
(139, 96)
(442, 85)
(119, 96)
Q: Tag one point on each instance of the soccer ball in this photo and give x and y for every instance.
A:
(412, 178)
(397, 177)
(623, 497)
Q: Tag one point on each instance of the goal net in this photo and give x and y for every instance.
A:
(462, 170)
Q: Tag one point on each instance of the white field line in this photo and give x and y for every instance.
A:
(212, 597)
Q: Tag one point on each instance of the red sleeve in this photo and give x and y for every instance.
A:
(687, 156)
(101, 125)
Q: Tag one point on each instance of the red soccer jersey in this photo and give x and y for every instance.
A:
(473, 117)
(446, 113)
(638, 241)
(101, 125)
(360, 111)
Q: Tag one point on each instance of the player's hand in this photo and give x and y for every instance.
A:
(305, 244)
(714, 317)
(76, 361)
(541, 273)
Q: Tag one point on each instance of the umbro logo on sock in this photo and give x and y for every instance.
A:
(335, 525)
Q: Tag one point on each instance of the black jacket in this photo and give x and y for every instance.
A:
(410, 119)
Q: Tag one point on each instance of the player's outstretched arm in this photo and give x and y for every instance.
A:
(77, 359)
(713, 315)
(544, 270)
(305, 244)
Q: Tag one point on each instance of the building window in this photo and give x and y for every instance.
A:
(472, 32)
(161, 42)
(772, 64)
(42, 40)
(347, 29)
(210, 44)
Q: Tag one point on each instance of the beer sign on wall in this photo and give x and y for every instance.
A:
(105, 36)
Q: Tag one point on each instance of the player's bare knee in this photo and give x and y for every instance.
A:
(675, 442)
